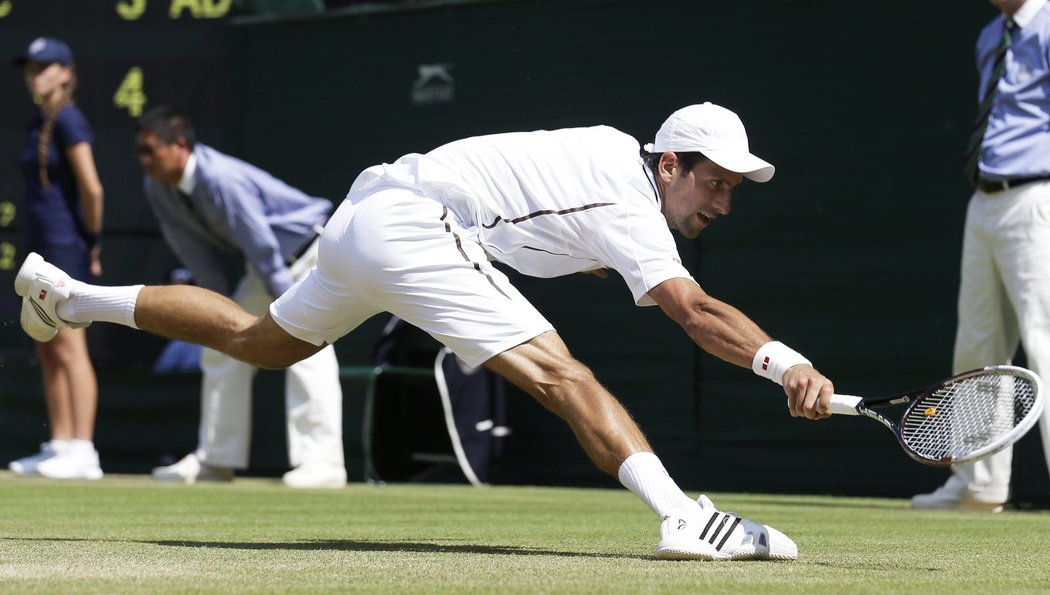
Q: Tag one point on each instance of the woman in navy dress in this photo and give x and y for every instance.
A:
(62, 218)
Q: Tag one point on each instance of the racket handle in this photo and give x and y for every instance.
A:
(843, 405)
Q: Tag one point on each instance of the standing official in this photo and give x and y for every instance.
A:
(211, 205)
(1004, 294)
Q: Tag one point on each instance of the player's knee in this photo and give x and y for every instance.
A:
(266, 345)
(262, 353)
(570, 378)
(270, 362)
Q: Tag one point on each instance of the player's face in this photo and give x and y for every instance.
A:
(44, 79)
(162, 162)
(691, 202)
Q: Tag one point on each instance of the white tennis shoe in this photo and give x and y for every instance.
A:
(190, 470)
(42, 287)
(954, 495)
(705, 533)
(27, 465)
(316, 476)
(72, 463)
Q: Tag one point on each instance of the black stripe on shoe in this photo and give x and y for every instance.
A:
(721, 525)
(736, 521)
(714, 515)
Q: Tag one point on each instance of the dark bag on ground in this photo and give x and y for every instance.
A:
(433, 419)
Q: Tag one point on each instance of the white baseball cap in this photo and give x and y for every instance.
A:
(717, 133)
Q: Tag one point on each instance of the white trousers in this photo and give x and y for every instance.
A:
(313, 395)
(1004, 299)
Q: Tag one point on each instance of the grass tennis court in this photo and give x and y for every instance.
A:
(128, 534)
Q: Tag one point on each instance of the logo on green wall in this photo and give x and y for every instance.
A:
(434, 84)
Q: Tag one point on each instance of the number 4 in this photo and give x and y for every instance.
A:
(129, 95)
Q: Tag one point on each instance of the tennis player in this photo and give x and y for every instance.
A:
(416, 238)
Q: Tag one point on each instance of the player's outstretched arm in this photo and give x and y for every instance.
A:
(717, 327)
(725, 332)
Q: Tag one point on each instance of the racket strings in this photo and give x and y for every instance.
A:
(958, 418)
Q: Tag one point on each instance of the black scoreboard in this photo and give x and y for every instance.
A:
(130, 55)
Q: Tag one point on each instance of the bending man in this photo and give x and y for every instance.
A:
(415, 238)
(212, 206)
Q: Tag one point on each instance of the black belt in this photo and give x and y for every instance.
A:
(991, 187)
(314, 234)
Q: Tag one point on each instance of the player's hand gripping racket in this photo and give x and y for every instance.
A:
(959, 419)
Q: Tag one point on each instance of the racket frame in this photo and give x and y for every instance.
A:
(853, 405)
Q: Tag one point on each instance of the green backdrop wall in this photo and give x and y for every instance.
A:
(850, 254)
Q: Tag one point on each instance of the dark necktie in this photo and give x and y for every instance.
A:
(186, 199)
(973, 149)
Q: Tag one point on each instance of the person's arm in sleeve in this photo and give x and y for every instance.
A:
(242, 212)
(74, 134)
(82, 161)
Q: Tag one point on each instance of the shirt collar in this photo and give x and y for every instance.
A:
(651, 177)
(1027, 12)
(189, 173)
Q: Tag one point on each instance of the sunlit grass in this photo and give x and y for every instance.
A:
(128, 534)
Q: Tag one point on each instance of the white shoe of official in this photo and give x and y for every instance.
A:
(953, 495)
(191, 470)
(42, 286)
(72, 463)
(27, 465)
(316, 475)
(706, 533)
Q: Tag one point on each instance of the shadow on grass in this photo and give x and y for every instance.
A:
(347, 545)
(408, 546)
(391, 546)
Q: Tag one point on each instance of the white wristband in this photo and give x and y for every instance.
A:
(774, 359)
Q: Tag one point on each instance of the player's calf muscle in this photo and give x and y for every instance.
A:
(192, 314)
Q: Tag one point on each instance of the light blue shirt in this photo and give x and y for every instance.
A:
(1017, 141)
(235, 208)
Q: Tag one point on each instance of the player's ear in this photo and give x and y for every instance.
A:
(668, 165)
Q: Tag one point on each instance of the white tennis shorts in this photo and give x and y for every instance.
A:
(394, 250)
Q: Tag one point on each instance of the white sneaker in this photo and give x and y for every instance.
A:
(27, 465)
(706, 533)
(72, 463)
(953, 495)
(42, 286)
(190, 470)
(316, 475)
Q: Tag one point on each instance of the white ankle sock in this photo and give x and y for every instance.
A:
(645, 476)
(77, 445)
(93, 303)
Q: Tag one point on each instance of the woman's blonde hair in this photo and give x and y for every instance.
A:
(47, 129)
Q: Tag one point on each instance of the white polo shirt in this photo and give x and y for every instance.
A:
(549, 203)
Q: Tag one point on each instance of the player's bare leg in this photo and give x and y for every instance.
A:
(53, 301)
(545, 369)
(207, 318)
(541, 366)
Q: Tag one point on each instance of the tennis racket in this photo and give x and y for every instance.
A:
(967, 417)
